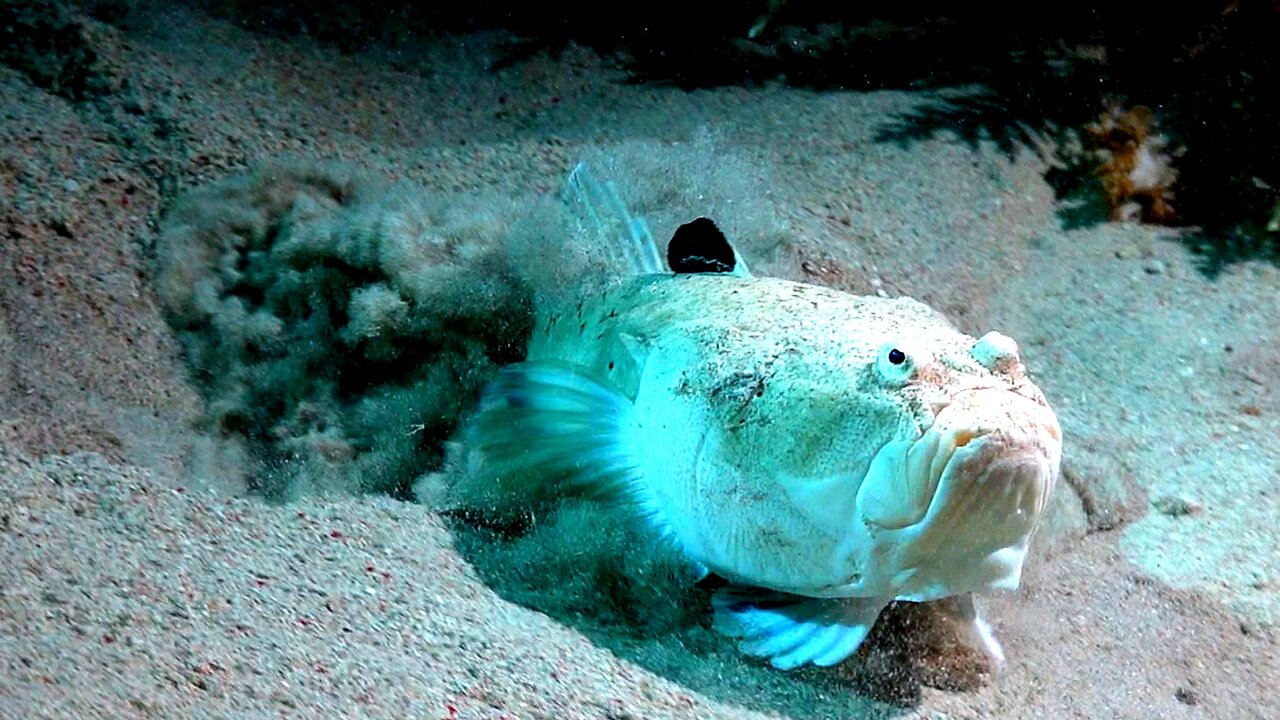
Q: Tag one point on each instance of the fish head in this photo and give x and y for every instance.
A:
(951, 503)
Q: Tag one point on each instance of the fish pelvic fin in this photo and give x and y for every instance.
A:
(970, 629)
(791, 631)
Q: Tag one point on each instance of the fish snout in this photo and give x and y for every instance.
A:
(997, 462)
(1005, 422)
(966, 495)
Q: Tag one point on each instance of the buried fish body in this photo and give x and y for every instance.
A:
(825, 453)
(834, 451)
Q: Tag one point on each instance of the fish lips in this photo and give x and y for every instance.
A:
(953, 510)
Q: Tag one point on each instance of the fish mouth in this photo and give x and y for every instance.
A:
(971, 486)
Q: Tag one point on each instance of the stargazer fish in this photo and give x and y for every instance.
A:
(823, 452)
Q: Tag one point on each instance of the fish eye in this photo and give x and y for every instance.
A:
(897, 362)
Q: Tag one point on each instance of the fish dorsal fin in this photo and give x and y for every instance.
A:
(601, 210)
(699, 247)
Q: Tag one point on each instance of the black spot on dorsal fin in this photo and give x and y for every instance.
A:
(699, 247)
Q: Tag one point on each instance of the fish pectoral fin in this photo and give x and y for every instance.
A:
(794, 630)
(548, 429)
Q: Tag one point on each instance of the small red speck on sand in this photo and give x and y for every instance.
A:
(450, 711)
(303, 622)
(260, 582)
(108, 639)
(180, 490)
(368, 568)
(301, 514)
(335, 534)
(386, 576)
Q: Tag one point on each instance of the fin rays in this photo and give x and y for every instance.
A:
(793, 630)
(601, 206)
(547, 429)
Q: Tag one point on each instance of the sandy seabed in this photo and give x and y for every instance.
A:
(137, 579)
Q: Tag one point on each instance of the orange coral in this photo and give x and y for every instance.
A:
(1136, 170)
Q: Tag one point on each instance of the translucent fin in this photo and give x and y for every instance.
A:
(740, 266)
(971, 629)
(546, 429)
(604, 212)
(793, 630)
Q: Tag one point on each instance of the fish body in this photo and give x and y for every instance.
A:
(788, 437)
(758, 407)
(825, 453)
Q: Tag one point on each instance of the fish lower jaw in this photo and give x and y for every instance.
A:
(991, 490)
(887, 572)
(1000, 571)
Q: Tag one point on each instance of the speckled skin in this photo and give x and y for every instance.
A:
(758, 406)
